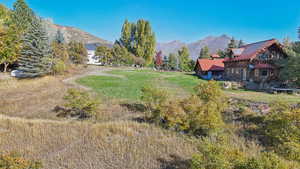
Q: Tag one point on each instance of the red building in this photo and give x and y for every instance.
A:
(210, 68)
(256, 62)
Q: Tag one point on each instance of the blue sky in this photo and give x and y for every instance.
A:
(184, 20)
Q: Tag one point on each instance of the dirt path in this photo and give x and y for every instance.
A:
(95, 71)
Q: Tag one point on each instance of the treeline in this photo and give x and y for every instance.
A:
(25, 42)
(135, 47)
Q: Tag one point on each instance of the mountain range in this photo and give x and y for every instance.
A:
(73, 34)
(214, 43)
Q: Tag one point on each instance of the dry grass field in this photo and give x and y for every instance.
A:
(115, 139)
(85, 145)
(29, 126)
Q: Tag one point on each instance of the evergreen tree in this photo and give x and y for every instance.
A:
(204, 53)
(183, 56)
(36, 53)
(59, 37)
(240, 44)
(221, 53)
(232, 44)
(22, 16)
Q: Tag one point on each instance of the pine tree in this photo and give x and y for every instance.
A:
(240, 44)
(204, 53)
(232, 44)
(59, 37)
(36, 52)
(22, 16)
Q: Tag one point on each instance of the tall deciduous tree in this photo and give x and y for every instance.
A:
(104, 53)
(127, 35)
(158, 60)
(77, 52)
(9, 40)
(173, 61)
(204, 52)
(59, 48)
(139, 39)
(184, 59)
(36, 52)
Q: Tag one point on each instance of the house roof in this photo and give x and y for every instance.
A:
(263, 66)
(210, 64)
(250, 51)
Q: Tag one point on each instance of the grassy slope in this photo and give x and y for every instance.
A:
(180, 83)
(84, 145)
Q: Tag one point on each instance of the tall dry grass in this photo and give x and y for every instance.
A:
(84, 145)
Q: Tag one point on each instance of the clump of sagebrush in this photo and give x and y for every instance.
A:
(80, 104)
(15, 161)
(281, 130)
(224, 152)
(200, 114)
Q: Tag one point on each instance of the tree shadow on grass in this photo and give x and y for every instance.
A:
(175, 162)
(134, 107)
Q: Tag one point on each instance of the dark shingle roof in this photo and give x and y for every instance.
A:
(250, 51)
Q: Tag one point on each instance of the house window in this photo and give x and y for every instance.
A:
(237, 71)
(256, 72)
(264, 73)
(232, 70)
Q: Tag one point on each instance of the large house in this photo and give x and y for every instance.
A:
(256, 62)
(92, 59)
(210, 68)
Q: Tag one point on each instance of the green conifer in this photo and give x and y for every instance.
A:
(36, 52)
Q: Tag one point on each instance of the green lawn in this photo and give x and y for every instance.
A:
(180, 84)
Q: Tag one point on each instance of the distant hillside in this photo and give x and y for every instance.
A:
(213, 43)
(74, 34)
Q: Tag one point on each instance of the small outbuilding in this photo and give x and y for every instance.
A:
(210, 68)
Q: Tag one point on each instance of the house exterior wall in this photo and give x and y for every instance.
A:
(234, 70)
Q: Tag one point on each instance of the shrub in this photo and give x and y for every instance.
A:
(290, 150)
(225, 153)
(14, 161)
(282, 124)
(199, 114)
(81, 104)
(154, 100)
(217, 153)
(59, 67)
(281, 130)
